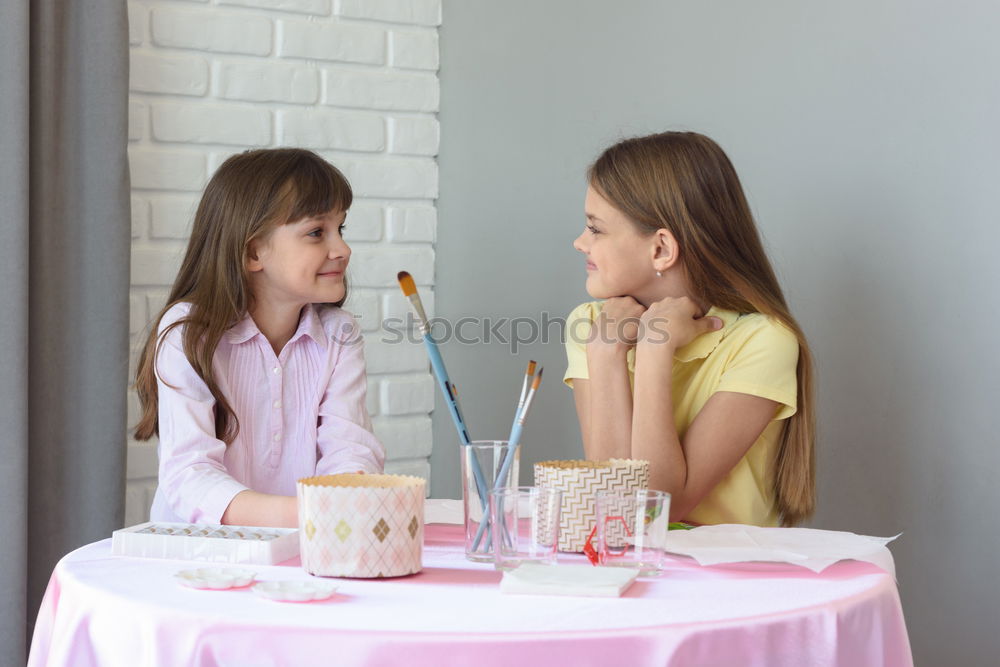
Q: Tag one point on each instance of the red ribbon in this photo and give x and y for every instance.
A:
(588, 547)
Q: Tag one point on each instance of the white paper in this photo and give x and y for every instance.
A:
(443, 510)
(581, 580)
(809, 547)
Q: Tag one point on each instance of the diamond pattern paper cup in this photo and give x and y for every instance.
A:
(364, 526)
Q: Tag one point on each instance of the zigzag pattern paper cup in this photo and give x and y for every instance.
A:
(364, 526)
(579, 482)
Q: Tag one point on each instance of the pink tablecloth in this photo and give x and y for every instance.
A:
(107, 610)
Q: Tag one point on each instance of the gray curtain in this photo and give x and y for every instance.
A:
(64, 278)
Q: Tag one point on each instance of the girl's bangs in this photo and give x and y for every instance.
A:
(315, 187)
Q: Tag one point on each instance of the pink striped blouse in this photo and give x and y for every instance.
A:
(301, 413)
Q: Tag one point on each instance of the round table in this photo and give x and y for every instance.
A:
(107, 610)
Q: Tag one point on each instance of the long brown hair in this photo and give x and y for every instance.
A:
(249, 196)
(683, 181)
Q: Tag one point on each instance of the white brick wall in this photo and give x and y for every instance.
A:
(341, 42)
(419, 12)
(355, 80)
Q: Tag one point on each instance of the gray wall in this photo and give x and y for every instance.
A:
(866, 135)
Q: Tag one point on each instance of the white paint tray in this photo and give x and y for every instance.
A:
(213, 543)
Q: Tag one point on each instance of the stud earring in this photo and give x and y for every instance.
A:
(659, 274)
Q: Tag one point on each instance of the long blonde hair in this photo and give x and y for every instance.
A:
(250, 194)
(683, 181)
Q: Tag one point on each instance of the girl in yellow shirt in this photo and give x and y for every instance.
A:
(693, 361)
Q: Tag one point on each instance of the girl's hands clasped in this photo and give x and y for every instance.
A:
(672, 323)
(667, 324)
(617, 327)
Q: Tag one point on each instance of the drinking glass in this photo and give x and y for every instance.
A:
(525, 522)
(632, 529)
(482, 461)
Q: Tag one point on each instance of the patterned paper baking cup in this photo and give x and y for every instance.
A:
(580, 481)
(364, 526)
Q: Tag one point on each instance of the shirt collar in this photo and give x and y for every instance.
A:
(309, 325)
(703, 345)
(242, 331)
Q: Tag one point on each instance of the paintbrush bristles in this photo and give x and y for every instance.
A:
(524, 387)
(538, 379)
(418, 308)
(406, 283)
(409, 288)
(531, 397)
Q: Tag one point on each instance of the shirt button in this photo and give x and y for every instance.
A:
(277, 437)
(276, 370)
(277, 404)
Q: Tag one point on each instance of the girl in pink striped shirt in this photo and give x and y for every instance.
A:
(253, 376)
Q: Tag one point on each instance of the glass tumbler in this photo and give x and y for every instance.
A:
(632, 529)
(525, 522)
(483, 462)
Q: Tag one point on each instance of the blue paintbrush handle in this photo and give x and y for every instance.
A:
(437, 364)
(515, 436)
(442, 377)
(508, 460)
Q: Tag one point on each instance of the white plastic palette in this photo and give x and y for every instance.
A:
(295, 591)
(207, 542)
(215, 578)
(211, 530)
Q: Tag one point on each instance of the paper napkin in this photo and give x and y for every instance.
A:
(808, 547)
(580, 580)
(443, 510)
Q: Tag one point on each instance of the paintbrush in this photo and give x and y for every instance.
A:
(528, 376)
(409, 288)
(515, 433)
(515, 437)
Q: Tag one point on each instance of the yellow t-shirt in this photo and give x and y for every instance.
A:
(751, 354)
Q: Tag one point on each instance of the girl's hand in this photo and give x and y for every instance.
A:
(675, 322)
(617, 326)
